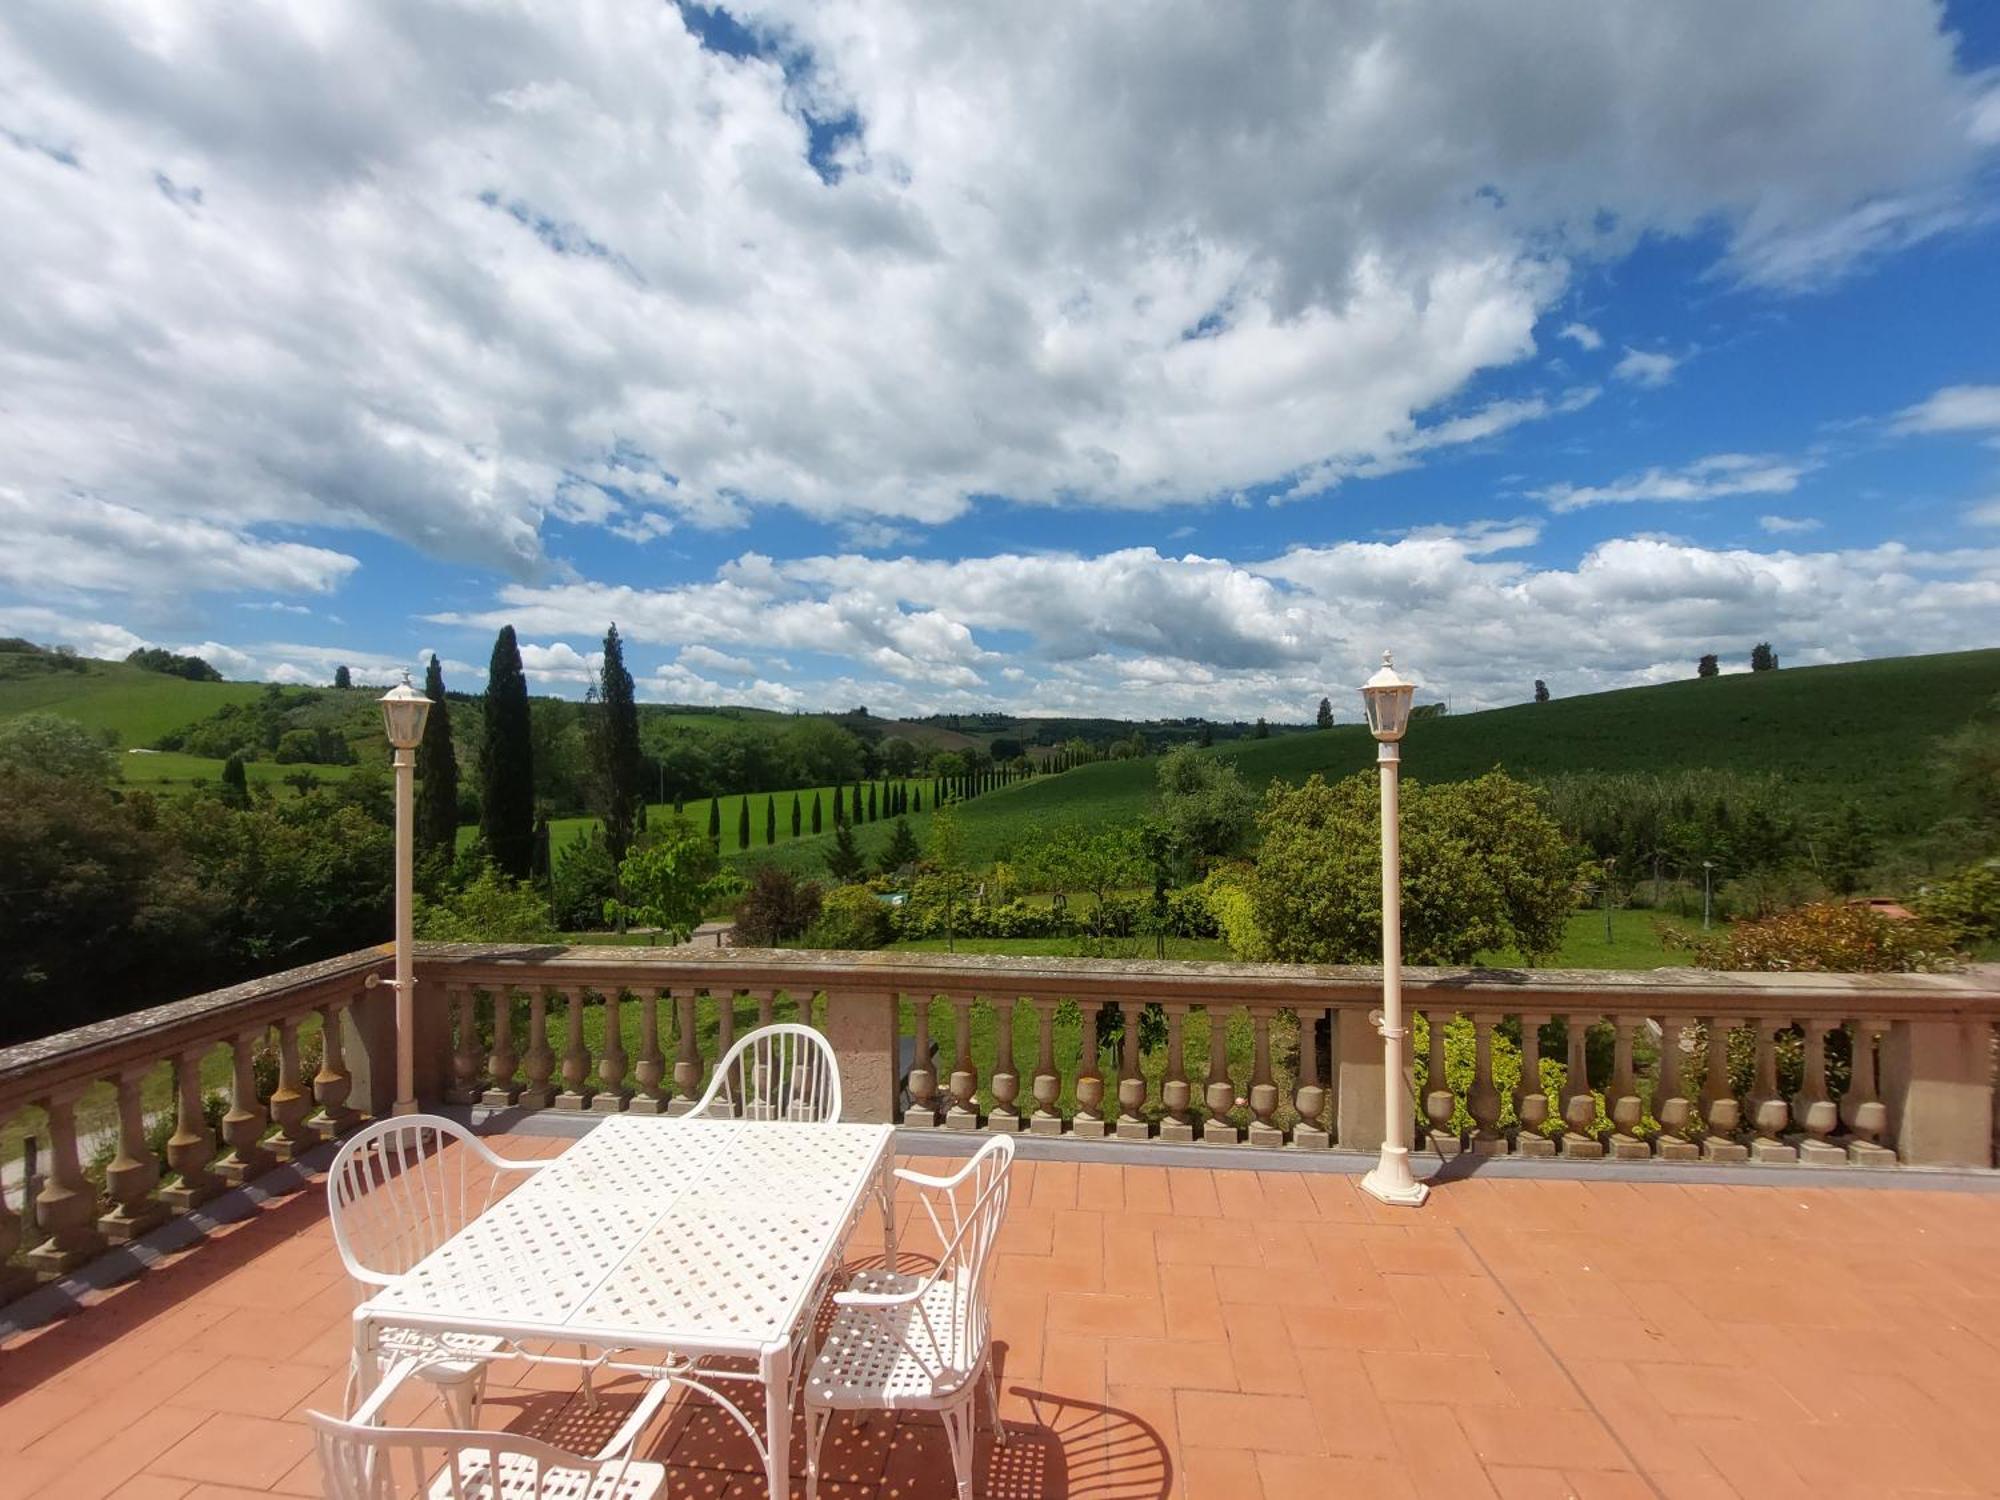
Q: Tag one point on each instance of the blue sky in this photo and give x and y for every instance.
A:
(1131, 361)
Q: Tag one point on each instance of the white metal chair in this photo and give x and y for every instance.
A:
(395, 1194)
(359, 1458)
(921, 1343)
(781, 1072)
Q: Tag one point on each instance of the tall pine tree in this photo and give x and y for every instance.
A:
(770, 819)
(618, 765)
(795, 814)
(871, 801)
(437, 771)
(715, 821)
(507, 763)
(816, 818)
(743, 823)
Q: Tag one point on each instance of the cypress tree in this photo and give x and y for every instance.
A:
(437, 771)
(795, 814)
(619, 766)
(919, 801)
(715, 821)
(871, 801)
(839, 810)
(770, 819)
(235, 782)
(507, 764)
(743, 822)
(816, 822)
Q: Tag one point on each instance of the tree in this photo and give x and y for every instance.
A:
(770, 818)
(668, 883)
(341, 678)
(839, 808)
(53, 746)
(1846, 850)
(193, 668)
(491, 909)
(917, 801)
(1204, 805)
(437, 770)
(507, 764)
(816, 816)
(902, 850)
(871, 801)
(777, 907)
(235, 782)
(1262, 731)
(1763, 658)
(618, 766)
(1541, 691)
(1484, 868)
(743, 822)
(1325, 719)
(715, 821)
(1708, 666)
(796, 821)
(944, 852)
(843, 861)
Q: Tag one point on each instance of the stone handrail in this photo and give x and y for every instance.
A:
(1644, 1065)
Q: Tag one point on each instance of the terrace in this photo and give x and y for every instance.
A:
(1690, 1233)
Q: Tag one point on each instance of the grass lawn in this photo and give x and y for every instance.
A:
(158, 769)
(136, 706)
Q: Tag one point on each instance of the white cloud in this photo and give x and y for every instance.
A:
(1789, 525)
(1716, 477)
(1955, 408)
(1582, 335)
(560, 664)
(1985, 513)
(451, 273)
(1651, 369)
(707, 657)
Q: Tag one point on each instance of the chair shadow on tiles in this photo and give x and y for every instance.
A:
(1071, 1449)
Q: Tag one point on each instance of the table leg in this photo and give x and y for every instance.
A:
(887, 1193)
(778, 1422)
(362, 1374)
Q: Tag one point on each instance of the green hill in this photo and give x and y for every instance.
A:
(1860, 731)
(137, 706)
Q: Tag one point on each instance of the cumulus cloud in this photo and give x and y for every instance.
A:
(452, 274)
(1582, 335)
(1985, 513)
(1955, 408)
(1648, 368)
(1789, 525)
(710, 659)
(1716, 477)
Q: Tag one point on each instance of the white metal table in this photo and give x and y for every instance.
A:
(690, 1247)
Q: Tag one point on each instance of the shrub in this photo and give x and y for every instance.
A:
(1823, 937)
(491, 909)
(850, 916)
(1965, 905)
(1234, 912)
(583, 879)
(777, 907)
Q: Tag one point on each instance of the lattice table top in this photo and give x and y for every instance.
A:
(697, 1235)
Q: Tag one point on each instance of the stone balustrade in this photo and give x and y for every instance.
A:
(1668, 1065)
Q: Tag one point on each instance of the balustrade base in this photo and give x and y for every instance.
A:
(50, 1260)
(1583, 1147)
(647, 1104)
(1818, 1153)
(1489, 1145)
(920, 1119)
(957, 1118)
(1045, 1125)
(570, 1099)
(1134, 1130)
(1092, 1130)
(534, 1098)
(331, 1127)
(1265, 1135)
(1773, 1151)
(240, 1167)
(1870, 1154)
(1181, 1131)
(1307, 1138)
(285, 1150)
(1673, 1148)
(498, 1098)
(1533, 1143)
(1220, 1133)
(1724, 1152)
(121, 1228)
(462, 1096)
(1630, 1148)
(610, 1102)
(1445, 1144)
(185, 1197)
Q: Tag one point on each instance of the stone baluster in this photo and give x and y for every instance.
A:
(500, 1065)
(14, 1280)
(922, 1110)
(1482, 1098)
(1440, 1103)
(465, 1055)
(1770, 1115)
(1089, 1119)
(1047, 1118)
(1531, 1099)
(134, 1172)
(1812, 1106)
(767, 1001)
(1627, 1109)
(1671, 1105)
(1175, 1092)
(1861, 1108)
(1264, 1130)
(689, 1073)
(964, 1111)
(613, 1096)
(243, 1126)
(540, 1063)
(575, 1059)
(1219, 1091)
(66, 1211)
(651, 1066)
(332, 1084)
(1132, 1124)
(289, 1100)
(1579, 1103)
(1721, 1114)
(192, 1145)
(1310, 1133)
(1005, 1084)
(725, 1024)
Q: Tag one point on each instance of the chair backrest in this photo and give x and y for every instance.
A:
(361, 1461)
(966, 1211)
(782, 1072)
(404, 1186)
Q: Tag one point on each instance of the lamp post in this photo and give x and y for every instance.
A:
(404, 711)
(1707, 876)
(1387, 698)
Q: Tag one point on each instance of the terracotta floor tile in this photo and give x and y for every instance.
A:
(1298, 1478)
(151, 1487)
(1435, 1452)
(1104, 1315)
(1453, 1379)
(226, 1448)
(1529, 1484)
(1221, 1474)
(1260, 1348)
(1535, 1435)
(1170, 1363)
(1220, 1419)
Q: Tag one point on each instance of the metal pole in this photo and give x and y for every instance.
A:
(1706, 867)
(406, 983)
(1391, 1180)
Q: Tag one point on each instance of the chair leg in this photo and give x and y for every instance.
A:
(589, 1391)
(960, 1423)
(993, 1405)
(461, 1401)
(817, 1420)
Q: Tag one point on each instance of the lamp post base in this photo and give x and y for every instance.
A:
(1391, 1183)
(406, 1107)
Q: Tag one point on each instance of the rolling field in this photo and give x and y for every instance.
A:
(136, 706)
(164, 769)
